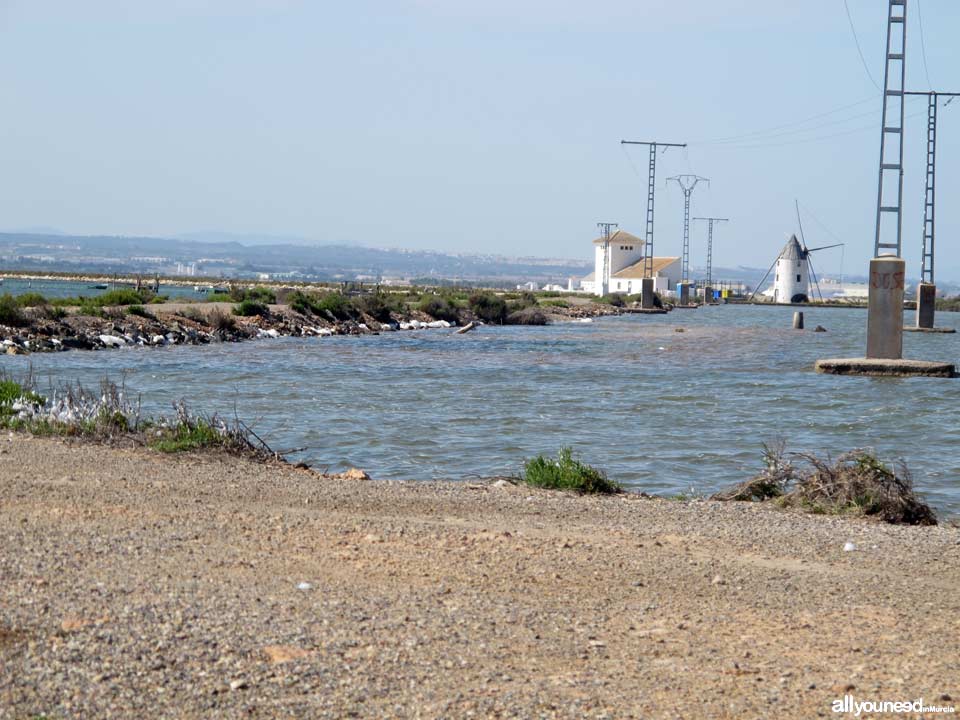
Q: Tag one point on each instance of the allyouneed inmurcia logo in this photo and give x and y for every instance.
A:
(856, 708)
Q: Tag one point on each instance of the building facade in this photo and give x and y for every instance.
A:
(619, 267)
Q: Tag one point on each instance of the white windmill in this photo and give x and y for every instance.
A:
(794, 270)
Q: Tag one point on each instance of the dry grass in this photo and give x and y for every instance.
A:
(856, 483)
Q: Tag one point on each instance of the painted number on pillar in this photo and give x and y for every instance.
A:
(886, 280)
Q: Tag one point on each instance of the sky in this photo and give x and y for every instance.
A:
(489, 126)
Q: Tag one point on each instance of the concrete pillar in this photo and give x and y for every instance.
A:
(885, 308)
(646, 293)
(926, 304)
(683, 293)
(707, 295)
(798, 320)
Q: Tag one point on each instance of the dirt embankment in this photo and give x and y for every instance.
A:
(139, 585)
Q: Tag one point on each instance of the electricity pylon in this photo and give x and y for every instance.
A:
(648, 241)
(710, 222)
(687, 183)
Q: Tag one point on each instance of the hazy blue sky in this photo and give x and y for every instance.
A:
(464, 125)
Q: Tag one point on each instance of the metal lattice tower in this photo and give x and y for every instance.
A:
(710, 222)
(605, 228)
(651, 186)
(687, 183)
(891, 132)
(930, 195)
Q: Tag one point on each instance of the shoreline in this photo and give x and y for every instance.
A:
(200, 585)
(201, 323)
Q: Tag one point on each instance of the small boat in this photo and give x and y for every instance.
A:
(98, 286)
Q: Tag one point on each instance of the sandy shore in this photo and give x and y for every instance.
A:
(139, 585)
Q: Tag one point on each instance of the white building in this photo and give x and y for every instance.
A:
(619, 263)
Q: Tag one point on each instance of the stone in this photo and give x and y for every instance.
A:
(277, 654)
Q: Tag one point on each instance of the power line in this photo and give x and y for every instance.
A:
(799, 131)
(856, 42)
(923, 46)
(795, 123)
(805, 141)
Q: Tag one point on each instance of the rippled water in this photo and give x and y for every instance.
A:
(659, 410)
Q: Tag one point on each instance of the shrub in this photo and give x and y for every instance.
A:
(220, 320)
(527, 316)
(191, 434)
(122, 296)
(221, 297)
(615, 299)
(526, 300)
(439, 308)
(10, 312)
(857, 483)
(250, 308)
(31, 299)
(260, 294)
(334, 305)
(140, 311)
(375, 306)
(567, 473)
(556, 303)
(488, 307)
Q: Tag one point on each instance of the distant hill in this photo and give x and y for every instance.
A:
(232, 258)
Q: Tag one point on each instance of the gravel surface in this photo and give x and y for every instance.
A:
(137, 585)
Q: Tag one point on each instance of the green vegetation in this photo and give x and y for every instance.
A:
(250, 308)
(107, 414)
(379, 306)
(566, 473)
(11, 392)
(31, 299)
(10, 312)
(140, 311)
(189, 434)
(555, 303)
(238, 294)
(951, 304)
(615, 299)
(489, 307)
(439, 307)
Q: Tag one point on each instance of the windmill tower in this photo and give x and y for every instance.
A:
(791, 283)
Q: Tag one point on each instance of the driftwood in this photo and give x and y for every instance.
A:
(466, 328)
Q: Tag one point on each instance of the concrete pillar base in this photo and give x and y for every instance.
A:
(646, 293)
(798, 321)
(683, 294)
(885, 308)
(926, 304)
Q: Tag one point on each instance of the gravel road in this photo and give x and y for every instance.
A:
(135, 585)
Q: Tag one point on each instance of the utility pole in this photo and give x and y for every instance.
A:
(687, 183)
(648, 242)
(891, 131)
(710, 222)
(929, 205)
(887, 268)
(603, 282)
(927, 290)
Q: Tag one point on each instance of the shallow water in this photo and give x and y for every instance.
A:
(68, 288)
(659, 410)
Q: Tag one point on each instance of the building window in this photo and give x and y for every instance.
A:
(798, 278)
